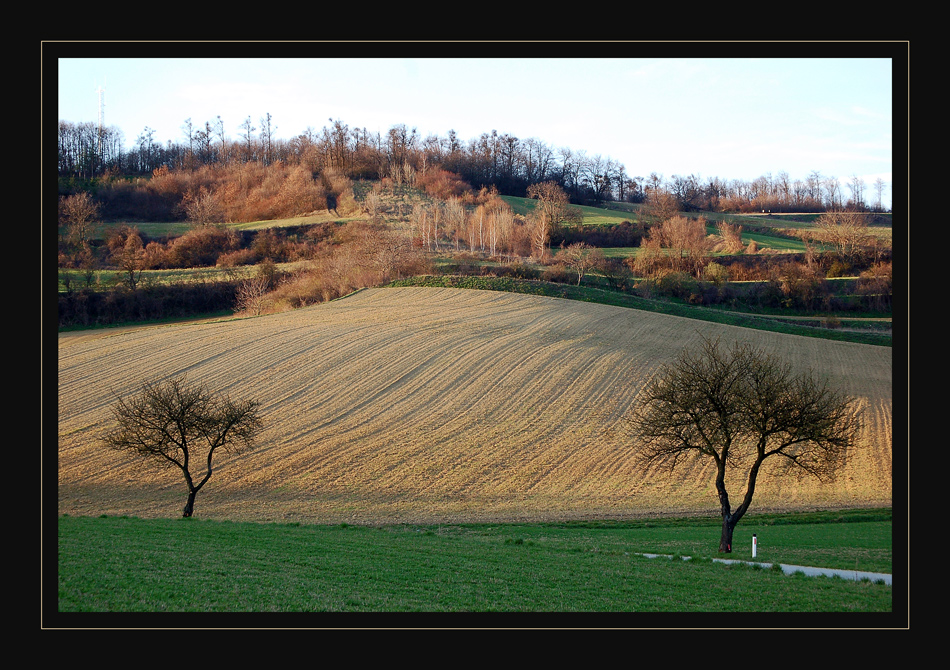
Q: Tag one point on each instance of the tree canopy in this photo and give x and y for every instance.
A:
(181, 425)
(739, 407)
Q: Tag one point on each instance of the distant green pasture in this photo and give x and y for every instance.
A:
(157, 229)
(111, 277)
(593, 216)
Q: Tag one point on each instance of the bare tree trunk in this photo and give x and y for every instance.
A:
(190, 505)
(725, 540)
(730, 518)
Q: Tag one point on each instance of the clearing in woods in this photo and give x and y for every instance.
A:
(427, 404)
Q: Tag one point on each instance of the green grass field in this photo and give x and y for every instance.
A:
(596, 216)
(127, 564)
(106, 278)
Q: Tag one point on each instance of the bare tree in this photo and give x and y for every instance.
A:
(879, 193)
(454, 216)
(178, 425)
(846, 231)
(581, 257)
(189, 128)
(741, 407)
(549, 214)
(540, 234)
(833, 192)
(661, 205)
(248, 136)
(219, 131)
(388, 252)
(78, 212)
(731, 235)
(476, 228)
(857, 192)
(501, 223)
(679, 243)
(252, 293)
(130, 258)
(267, 138)
(373, 204)
(202, 208)
(421, 223)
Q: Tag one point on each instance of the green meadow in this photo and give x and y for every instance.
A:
(128, 564)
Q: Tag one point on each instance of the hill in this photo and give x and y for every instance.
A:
(429, 404)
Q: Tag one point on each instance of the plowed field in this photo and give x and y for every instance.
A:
(423, 405)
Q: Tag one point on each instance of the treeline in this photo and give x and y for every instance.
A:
(509, 164)
(88, 307)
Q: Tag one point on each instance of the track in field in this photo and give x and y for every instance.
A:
(425, 404)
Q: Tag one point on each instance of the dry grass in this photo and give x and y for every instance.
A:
(420, 404)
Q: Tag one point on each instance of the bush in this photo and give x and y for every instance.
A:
(677, 284)
(518, 270)
(617, 273)
(558, 273)
(766, 294)
(100, 308)
(624, 234)
(201, 247)
(156, 256)
(876, 287)
(231, 259)
(839, 268)
(716, 274)
(302, 289)
(443, 185)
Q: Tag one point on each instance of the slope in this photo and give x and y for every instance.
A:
(430, 404)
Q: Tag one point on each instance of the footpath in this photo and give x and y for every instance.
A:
(856, 575)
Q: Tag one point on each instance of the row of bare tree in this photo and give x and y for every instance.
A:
(500, 160)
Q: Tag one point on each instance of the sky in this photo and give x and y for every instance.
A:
(731, 117)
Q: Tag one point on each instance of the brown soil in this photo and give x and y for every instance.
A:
(423, 405)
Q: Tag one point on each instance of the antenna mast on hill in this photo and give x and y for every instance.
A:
(101, 91)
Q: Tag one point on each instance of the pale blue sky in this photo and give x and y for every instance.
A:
(735, 118)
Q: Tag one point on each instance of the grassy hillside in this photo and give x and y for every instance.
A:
(620, 212)
(592, 216)
(434, 404)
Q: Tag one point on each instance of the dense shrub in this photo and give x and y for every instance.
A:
(201, 246)
(875, 287)
(558, 273)
(518, 270)
(138, 200)
(765, 294)
(230, 259)
(86, 307)
(677, 284)
(244, 191)
(617, 273)
(760, 267)
(443, 185)
(625, 234)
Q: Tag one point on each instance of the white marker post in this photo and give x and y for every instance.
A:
(753, 545)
